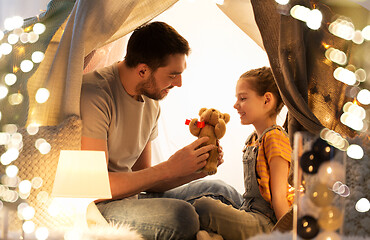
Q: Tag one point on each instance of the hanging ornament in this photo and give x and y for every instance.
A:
(323, 150)
(321, 195)
(307, 227)
(330, 218)
(309, 163)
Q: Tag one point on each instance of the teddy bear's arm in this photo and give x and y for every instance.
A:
(194, 128)
(220, 128)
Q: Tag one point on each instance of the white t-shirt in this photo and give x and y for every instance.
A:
(109, 113)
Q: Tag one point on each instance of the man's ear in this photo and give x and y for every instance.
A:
(142, 70)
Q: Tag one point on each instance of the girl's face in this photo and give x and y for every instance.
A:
(251, 107)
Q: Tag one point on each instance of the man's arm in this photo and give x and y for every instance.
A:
(180, 166)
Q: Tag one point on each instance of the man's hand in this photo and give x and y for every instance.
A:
(221, 153)
(189, 159)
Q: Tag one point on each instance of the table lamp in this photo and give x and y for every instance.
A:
(81, 178)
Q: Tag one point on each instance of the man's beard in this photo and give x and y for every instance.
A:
(149, 88)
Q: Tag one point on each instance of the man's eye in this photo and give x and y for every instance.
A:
(173, 76)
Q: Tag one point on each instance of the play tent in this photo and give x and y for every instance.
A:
(78, 31)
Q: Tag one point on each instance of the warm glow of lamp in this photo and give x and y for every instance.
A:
(81, 178)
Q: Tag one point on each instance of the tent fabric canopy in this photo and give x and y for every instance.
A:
(95, 23)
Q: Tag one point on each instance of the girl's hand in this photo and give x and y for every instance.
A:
(221, 153)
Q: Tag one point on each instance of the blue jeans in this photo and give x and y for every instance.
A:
(168, 215)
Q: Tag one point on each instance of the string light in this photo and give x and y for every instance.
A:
(39, 28)
(366, 32)
(41, 233)
(42, 95)
(362, 205)
(344, 75)
(13, 38)
(37, 56)
(314, 19)
(282, 2)
(363, 96)
(355, 151)
(358, 37)
(25, 186)
(26, 66)
(336, 56)
(342, 28)
(3, 91)
(6, 48)
(15, 99)
(32, 129)
(11, 171)
(28, 227)
(10, 79)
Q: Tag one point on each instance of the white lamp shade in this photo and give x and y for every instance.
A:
(82, 174)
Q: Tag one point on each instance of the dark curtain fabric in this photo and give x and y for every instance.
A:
(305, 78)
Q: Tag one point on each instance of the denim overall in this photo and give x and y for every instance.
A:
(253, 200)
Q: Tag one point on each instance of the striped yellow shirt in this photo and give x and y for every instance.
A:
(273, 144)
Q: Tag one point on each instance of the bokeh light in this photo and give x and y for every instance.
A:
(3, 91)
(314, 19)
(42, 233)
(42, 95)
(39, 28)
(11, 171)
(32, 129)
(10, 79)
(28, 227)
(15, 99)
(25, 186)
(355, 151)
(26, 66)
(363, 96)
(362, 205)
(37, 57)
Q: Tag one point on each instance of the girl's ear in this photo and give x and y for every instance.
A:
(268, 97)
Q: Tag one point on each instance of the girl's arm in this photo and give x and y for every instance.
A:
(279, 170)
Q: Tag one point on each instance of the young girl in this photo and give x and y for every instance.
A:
(266, 162)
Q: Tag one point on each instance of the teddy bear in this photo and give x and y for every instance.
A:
(213, 125)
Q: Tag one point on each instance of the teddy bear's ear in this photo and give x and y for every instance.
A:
(202, 110)
(226, 117)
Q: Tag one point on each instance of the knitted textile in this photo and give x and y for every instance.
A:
(31, 163)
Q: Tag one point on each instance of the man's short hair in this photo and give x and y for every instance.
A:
(153, 43)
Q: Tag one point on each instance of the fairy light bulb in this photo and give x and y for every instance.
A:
(44, 148)
(331, 172)
(18, 31)
(28, 213)
(37, 56)
(360, 75)
(342, 28)
(336, 56)
(314, 19)
(25, 186)
(42, 95)
(32, 129)
(24, 37)
(26, 66)
(358, 38)
(366, 32)
(3, 91)
(38, 142)
(362, 205)
(363, 96)
(5, 48)
(282, 2)
(42, 233)
(355, 151)
(344, 75)
(10, 79)
(28, 227)
(15, 99)
(300, 12)
(33, 37)
(11, 171)
(13, 38)
(9, 156)
(39, 28)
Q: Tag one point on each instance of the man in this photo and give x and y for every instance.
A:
(120, 111)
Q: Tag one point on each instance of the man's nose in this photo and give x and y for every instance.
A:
(178, 81)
